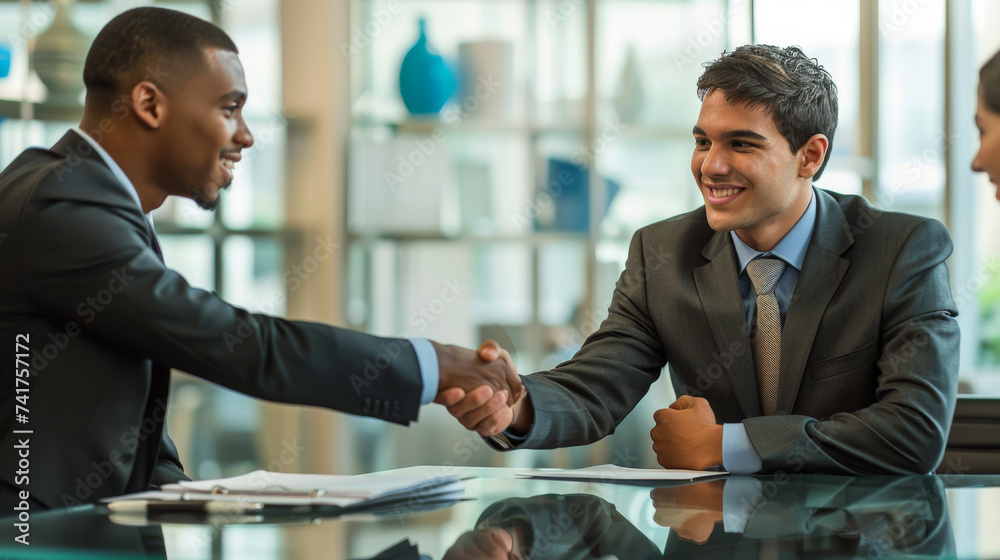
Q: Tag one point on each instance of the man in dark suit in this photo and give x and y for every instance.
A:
(737, 517)
(92, 318)
(815, 516)
(853, 365)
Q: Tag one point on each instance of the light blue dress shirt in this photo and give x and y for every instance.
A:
(427, 359)
(426, 356)
(740, 496)
(738, 454)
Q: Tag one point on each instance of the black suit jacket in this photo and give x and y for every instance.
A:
(570, 527)
(105, 320)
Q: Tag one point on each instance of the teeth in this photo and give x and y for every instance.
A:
(228, 164)
(723, 193)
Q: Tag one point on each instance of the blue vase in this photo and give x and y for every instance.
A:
(425, 82)
(5, 55)
(569, 187)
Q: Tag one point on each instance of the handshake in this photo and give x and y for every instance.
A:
(482, 389)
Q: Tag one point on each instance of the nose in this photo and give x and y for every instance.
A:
(714, 164)
(243, 137)
(977, 165)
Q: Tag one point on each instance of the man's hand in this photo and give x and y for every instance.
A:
(692, 511)
(686, 435)
(464, 369)
(484, 410)
(503, 543)
(492, 542)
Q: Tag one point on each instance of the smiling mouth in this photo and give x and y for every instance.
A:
(723, 193)
(718, 195)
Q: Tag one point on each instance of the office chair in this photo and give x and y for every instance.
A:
(974, 441)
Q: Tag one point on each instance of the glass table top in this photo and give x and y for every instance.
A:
(501, 516)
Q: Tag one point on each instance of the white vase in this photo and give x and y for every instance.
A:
(59, 55)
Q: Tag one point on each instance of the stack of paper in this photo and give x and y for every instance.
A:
(333, 493)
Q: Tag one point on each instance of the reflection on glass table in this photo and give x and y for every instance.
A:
(809, 516)
(553, 526)
(782, 516)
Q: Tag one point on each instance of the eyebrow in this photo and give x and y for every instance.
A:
(234, 95)
(733, 134)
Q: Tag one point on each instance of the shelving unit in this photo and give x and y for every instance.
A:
(563, 111)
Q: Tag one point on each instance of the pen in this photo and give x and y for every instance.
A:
(142, 519)
(184, 506)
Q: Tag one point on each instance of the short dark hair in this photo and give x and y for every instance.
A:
(156, 44)
(989, 83)
(798, 93)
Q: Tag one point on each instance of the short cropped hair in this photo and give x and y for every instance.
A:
(794, 89)
(989, 83)
(156, 44)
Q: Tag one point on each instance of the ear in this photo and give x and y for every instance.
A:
(812, 154)
(148, 103)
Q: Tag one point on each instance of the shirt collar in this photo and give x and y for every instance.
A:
(116, 170)
(791, 249)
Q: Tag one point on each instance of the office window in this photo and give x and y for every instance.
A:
(912, 137)
(836, 45)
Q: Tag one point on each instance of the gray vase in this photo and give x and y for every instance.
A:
(631, 99)
(59, 55)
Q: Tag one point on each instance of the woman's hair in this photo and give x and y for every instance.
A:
(989, 83)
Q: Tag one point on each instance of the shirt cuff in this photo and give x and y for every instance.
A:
(427, 360)
(738, 454)
(738, 496)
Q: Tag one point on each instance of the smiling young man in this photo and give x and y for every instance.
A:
(101, 320)
(804, 330)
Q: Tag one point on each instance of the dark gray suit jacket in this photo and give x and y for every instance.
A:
(81, 276)
(869, 346)
(823, 517)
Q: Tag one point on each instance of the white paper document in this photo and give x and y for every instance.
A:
(614, 473)
(289, 489)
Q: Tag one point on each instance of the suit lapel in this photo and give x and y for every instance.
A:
(822, 272)
(719, 291)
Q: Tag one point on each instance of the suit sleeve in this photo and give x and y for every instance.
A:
(905, 430)
(584, 399)
(168, 467)
(570, 526)
(91, 263)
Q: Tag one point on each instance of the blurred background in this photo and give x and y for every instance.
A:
(470, 169)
